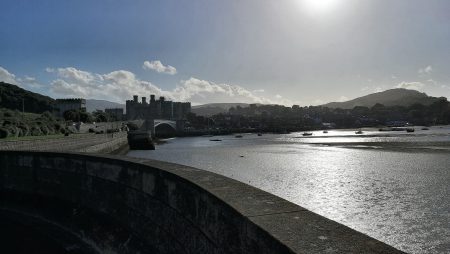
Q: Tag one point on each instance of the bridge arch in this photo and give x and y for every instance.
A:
(165, 130)
(126, 205)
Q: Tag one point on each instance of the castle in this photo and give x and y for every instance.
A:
(63, 105)
(156, 109)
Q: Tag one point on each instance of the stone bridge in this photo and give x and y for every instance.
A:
(170, 123)
(162, 127)
(76, 203)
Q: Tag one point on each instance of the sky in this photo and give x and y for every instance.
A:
(305, 52)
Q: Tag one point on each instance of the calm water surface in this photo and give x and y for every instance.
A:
(393, 186)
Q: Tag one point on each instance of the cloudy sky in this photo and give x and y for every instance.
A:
(267, 51)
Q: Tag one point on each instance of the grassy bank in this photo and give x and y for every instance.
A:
(15, 124)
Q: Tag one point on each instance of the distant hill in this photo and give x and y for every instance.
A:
(11, 97)
(92, 105)
(392, 97)
(215, 108)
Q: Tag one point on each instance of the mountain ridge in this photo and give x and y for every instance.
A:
(210, 109)
(391, 97)
(94, 104)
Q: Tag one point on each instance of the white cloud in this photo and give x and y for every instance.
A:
(411, 85)
(378, 89)
(29, 82)
(114, 86)
(278, 96)
(342, 98)
(74, 75)
(318, 102)
(7, 77)
(203, 91)
(259, 91)
(121, 85)
(432, 81)
(159, 67)
(425, 71)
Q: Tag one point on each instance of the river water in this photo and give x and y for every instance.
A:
(393, 186)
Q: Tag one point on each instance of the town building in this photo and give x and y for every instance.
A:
(156, 109)
(63, 105)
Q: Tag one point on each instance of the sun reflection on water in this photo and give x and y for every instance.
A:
(395, 195)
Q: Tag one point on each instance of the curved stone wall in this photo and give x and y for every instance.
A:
(122, 205)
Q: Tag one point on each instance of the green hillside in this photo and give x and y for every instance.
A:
(13, 97)
(392, 97)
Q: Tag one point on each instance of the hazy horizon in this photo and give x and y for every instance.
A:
(305, 52)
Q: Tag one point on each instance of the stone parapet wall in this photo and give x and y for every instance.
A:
(125, 205)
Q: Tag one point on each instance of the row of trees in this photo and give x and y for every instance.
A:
(86, 117)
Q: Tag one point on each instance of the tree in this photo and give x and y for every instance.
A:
(71, 115)
(100, 116)
(85, 117)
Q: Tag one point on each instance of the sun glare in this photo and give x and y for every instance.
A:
(319, 6)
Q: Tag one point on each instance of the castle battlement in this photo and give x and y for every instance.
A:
(156, 109)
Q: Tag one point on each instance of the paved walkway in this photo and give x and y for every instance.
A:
(73, 143)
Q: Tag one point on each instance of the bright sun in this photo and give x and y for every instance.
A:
(319, 5)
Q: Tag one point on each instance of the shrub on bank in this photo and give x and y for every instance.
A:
(24, 130)
(4, 133)
(112, 130)
(35, 131)
(17, 124)
(45, 130)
